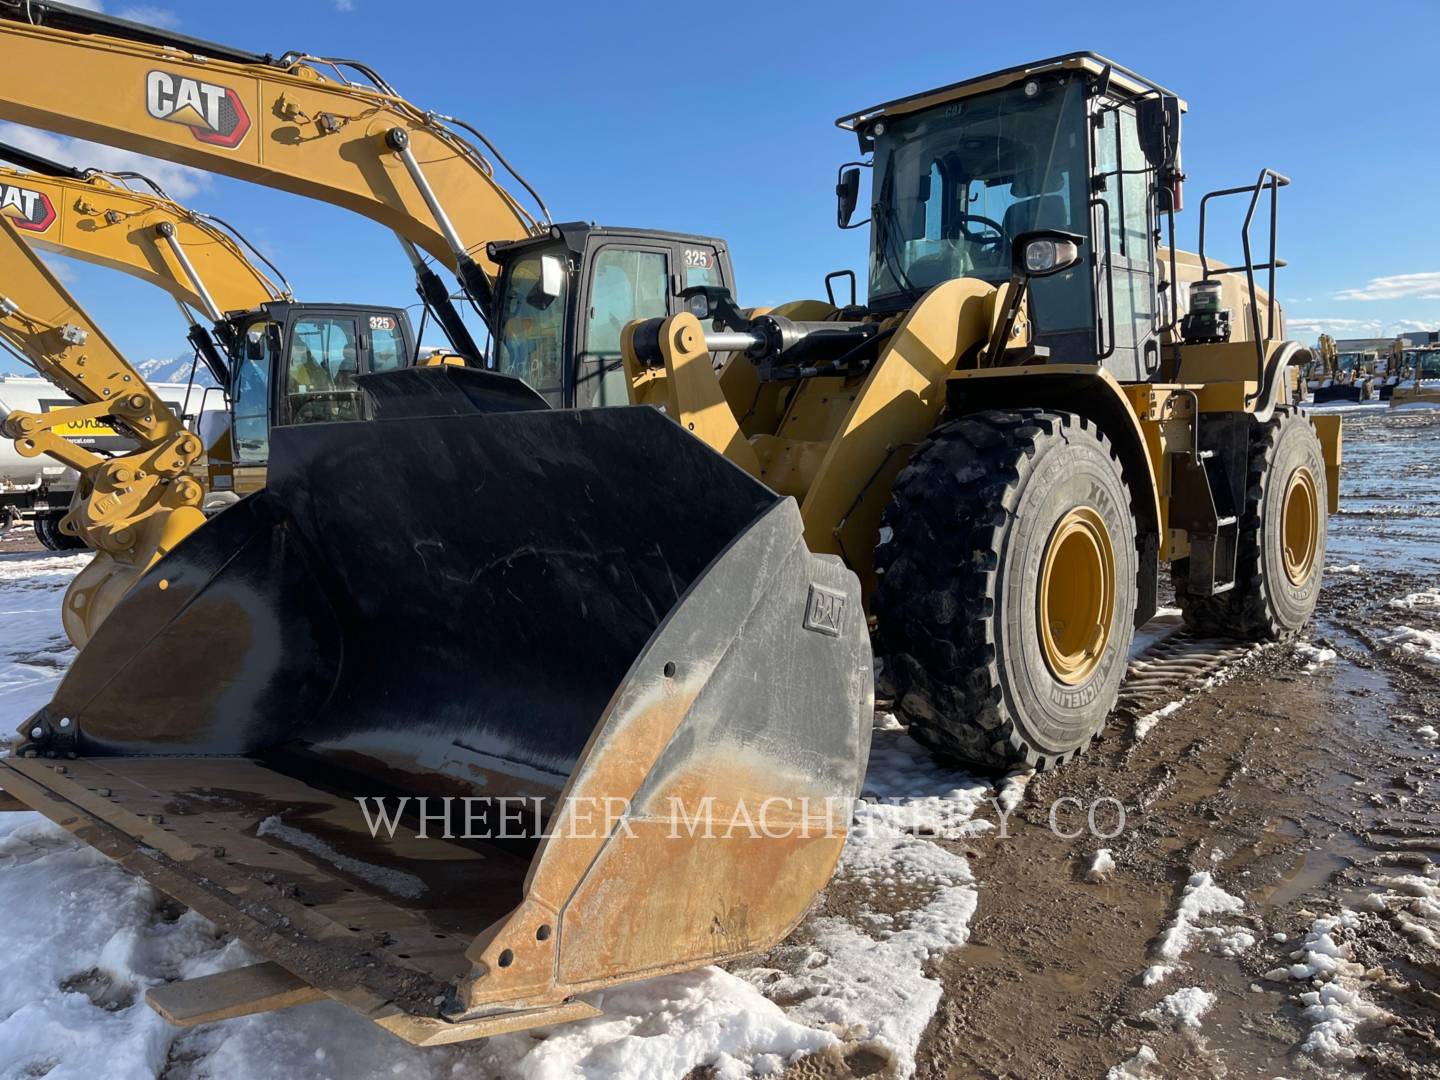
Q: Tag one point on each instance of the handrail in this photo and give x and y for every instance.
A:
(1274, 181)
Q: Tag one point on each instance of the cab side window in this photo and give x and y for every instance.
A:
(702, 267)
(387, 346)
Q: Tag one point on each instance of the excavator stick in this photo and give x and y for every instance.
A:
(616, 705)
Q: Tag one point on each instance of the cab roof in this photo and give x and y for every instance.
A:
(1121, 78)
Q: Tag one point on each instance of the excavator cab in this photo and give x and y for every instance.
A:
(293, 363)
(563, 298)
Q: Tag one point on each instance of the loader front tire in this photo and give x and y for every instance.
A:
(1283, 531)
(1007, 575)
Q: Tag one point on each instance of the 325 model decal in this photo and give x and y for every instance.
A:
(213, 113)
(26, 209)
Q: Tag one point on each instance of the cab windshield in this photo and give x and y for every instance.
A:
(955, 184)
(532, 326)
(1427, 365)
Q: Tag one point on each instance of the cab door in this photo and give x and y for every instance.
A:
(322, 359)
(628, 280)
(1125, 228)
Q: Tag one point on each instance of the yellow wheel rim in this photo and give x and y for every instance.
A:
(1300, 526)
(1077, 596)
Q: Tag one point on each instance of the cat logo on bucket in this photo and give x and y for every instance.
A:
(28, 210)
(213, 113)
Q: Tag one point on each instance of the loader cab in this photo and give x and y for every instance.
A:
(297, 364)
(1066, 144)
(563, 299)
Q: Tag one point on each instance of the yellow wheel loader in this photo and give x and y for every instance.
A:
(1419, 381)
(473, 595)
(1023, 421)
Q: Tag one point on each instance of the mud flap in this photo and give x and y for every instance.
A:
(589, 609)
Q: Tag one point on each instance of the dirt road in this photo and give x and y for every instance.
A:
(1301, 790)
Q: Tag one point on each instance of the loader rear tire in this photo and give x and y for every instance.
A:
(1283, 532)
(1007, 577)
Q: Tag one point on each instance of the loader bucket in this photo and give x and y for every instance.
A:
(615, 705)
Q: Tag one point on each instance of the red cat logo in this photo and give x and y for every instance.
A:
(214, 114)
(29, 210)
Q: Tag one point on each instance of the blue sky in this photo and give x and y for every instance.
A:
(720, 120)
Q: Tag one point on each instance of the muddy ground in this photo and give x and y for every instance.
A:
(1297, 791)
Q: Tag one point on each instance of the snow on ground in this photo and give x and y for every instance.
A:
(1429, 600)
(1333, 1003)
(1184, 1008)
(33, 650)
(1421, 645)
(1101, 867)
(1166, 621)
(1147, 723)
(866, 979)
(93, 938)
(1136, 1067)
(1200, 902)
(1315, 657)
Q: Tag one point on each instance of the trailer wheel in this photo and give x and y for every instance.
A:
(47, 531)
(1007, 587)
(1282, 538)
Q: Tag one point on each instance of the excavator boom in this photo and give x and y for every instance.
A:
(282, 123)
(93, 217)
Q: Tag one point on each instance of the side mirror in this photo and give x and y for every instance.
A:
(552, 276)
(1158, 123)
(1043, 252)
(847, 196)
(254, 345)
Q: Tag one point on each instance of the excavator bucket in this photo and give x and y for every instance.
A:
(477, 707)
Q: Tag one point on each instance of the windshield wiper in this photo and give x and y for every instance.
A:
(887, 224)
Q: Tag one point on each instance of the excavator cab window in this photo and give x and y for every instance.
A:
(626, 283)
(387, 344)
(320, 371)
(531, 341)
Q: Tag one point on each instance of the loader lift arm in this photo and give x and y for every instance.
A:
(133, 507)
(279, 122)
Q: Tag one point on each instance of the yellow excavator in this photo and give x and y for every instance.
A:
(254, 337)
(1002, 444)
(131, 507)
(199, 261)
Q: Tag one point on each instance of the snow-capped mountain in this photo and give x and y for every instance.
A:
(174, 370)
